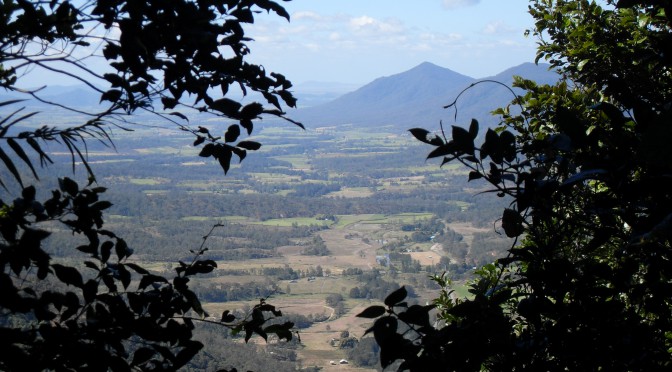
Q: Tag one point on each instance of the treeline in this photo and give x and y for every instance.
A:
(171, 240)
(371, 285)
(224, 292)
(316, 247)
(453, 243)
(223, 352)
(177, 205)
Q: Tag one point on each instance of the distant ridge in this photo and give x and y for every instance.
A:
(413, 98)
(416, 98)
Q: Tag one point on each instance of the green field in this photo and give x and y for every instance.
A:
(288, 222)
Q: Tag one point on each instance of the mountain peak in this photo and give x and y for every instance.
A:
(426, 65)
(417, 96)
(431, 70)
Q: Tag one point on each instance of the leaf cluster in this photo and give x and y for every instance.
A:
(110, 312)
(179, 53)
(587, 165)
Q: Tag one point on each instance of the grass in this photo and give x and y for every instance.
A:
(215, 184)
(463, 205)
(109, 161)
(163, 150)
(411, 217)
(345, 220)
(238, 219)
(351, 192)
(349, 219)
(152, 192)
(148, 181)
(274, 177)
(297, 161)
(119, 217)
(461, 290)
(288, 222)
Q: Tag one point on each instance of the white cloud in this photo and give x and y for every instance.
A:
(366, 24)
(306, 15)
(452, 4)
(497, 27)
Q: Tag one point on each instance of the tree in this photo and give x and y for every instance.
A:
(184, 54)
(587, 165)
(107, 312)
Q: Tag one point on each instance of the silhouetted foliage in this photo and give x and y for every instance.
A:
(183, 54)
(587, 165)
(107, 312)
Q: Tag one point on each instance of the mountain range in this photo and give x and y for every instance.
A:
(415, 98)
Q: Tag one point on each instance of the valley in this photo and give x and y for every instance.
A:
(320, 222)
(313, 214)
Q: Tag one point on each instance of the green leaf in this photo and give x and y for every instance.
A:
(372, 312)
(28, 193)
(420, 134)
(112, 95)
(10, 166)
(588, 174)
(69, 186)
(507, 143)
(115, 80)
(443, 150)
(106, 250)
(189, 350)
(251, 111)
(232, 133)
(512, 223)
(137, 268)
(474, 175)
(396, 297)
(491, 147)
(124, 275)
(582, 64)
(208, 150)
(21, 154)
(150, 279)
(44, 158)
(179, 115)
(282, 330)
(242, 154)
(226, 106)
(142, 355)
(248, 125)
(249, 145)
(416, 314)
(169, 103)
(199, 140)
(473, 129)
(463, 141)
(90, 291)
(68, 275)
(91, 265)
(122, 250)
(101, 205)
(227, 317)
(385, 330)
(225, 160)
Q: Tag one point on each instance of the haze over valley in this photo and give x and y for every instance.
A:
(319, 221)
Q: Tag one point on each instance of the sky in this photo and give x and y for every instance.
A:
(356, 41)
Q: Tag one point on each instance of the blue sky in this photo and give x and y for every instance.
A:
(356, 41)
